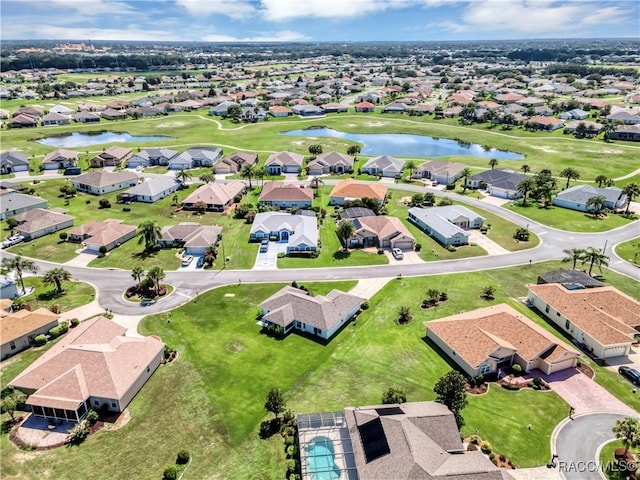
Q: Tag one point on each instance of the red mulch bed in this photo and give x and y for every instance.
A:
(586, 369)
(478, 389)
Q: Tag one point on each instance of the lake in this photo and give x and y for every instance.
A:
(76, 139)
(406, 145)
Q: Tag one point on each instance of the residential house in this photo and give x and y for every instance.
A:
(625, 132)
(111, 157)
(112, 114)
(284, 162)
(232, 164)
(575, 114)
(356, 212)
(445, 173)
(334, 108)
(395, 107)
(576, 197)
(307, 110)
(109, 234)
(222, 108)
(280, 111)
(624, 117)
(602, 321)
(23, 121)
(541, 122)
(569, 278)
(16, 203)
(150, 190)
(294, 309)
(365, 107)
(38, 222)
(487, 340)
(60, 159)
(216, 197)
(62, 110)
(277, 194)
(298, 232)
(447, 224)
(384, 166)
(21, 327)
(193, 237)
(53, 119)
(99, 183)
(196, 157)
(86, 117)
(11, 162)
(149, 157)
(349, 189)
(499, 182)
(79, 373)
(381, 232)
(330, 162)
(590, 128)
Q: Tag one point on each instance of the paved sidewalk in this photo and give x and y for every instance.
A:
(491, 247)
(83, 312)
(130, 322)
(537, 473)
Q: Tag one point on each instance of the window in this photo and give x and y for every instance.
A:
(484, 369)
(546, 309)
(12, 344)
(567, 324)
(148, 369)
(96, 401)
(114, 404)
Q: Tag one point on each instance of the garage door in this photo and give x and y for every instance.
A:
(615, 351)
(557, 367)
(403, 245)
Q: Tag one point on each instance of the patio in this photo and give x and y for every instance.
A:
(42, 433)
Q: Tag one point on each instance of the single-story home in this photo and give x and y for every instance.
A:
(79, 374)
(216, 196)
(330, 162)
(307, 110)
(8, 289)
(151, 156)
(365, 107)
(576, 197)
(86, 117)
(284, 162)
(384, 166)
(150, 190)
(21, 327)
(603, 321)
(111, 157)
(280, 111)
(445, 173)
(193, 237)
(16, 203)
(448, 225)
(625, 132)
(39, 222)
(196, 157)
(278, 194)
(590, 128)
(394, 107)
(356, 212)
(233, 163)
(486, 340)
(99, 183)
(381, 232)
(322, 316)
(299, 232)
(350, 189)
(59, 159)
(23, 120)
(569, 278)
(625, 117)
(53, 118)
(542, 122)
(108, 233)
(499, 182)
(11, 162)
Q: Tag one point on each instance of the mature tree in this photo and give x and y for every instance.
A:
(11, 401)
(573, 255)
(183, 176)
(526, 186)
(315, 149)
(137, 273)
(525, 168)
(465, 174)
(570, 174)
(207, 177)
(411, 166)
(149, 232)
(354, 150)
(601, 180)
(275, 402)
(156, 275)
(248, 171)
(493, 163)
(594, 256)
(628, 430)
(545, 186)
(19, 265)
(211, 251)
(345, 231)
(451, 391)
(316, 182)
(595, 204)
(260, 173)
(631, 190)
(394, 395)
(56, 276)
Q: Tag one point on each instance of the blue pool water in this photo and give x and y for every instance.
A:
(76, 139)
(320, 458)
(406, 145)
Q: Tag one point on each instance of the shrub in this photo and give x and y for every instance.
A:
(451, 248)
(55, 308)
(87, 202)
(64, 327)
(74, 322)
(170, 473)
(472, 447)
(63, 236)
(292, 466)
(102, 250)
(290, 440)
(539, 382)
(55, 332)
(511, 386)
(516, 369)
(364, 305)
(281, 255)
(492, 456)
(292, 451)
(162, 291)
(418, 247)
(92, 417)
(78, 434)
(183, 457)
(380, 251)
(40, 340)
(104, 203)
(126, 209)
(486, 448)
(474, 439)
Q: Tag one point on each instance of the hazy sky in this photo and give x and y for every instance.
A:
(316, 20)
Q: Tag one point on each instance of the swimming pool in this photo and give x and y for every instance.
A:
(320, 459)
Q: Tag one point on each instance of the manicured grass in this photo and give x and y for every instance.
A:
(630, 250)
(75, 294)
(571, 220)
(608, 461)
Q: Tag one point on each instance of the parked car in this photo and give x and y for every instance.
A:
(397, 253)
(630, 374)
(187, 260)
(12, 240)
(264, 245)
(72, 171)
(200, 263)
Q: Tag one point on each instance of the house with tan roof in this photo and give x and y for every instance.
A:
(445, 173)
(294, 309)
(94, 366)
(108, 233)
(486, 340)
(540, 122)
(603, 321)
(350, 189)
(381, 232)
(21, 327)
(193, 237)
(233, 163)
(215, 196)
(99, 183)
(111, 157)
(384, 166)
(59, 159)
(278, 194)
(280, 111)
(39, 222)
(284, 162)
(330, 162)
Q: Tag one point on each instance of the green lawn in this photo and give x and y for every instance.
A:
(75, 294)
(630, 250)
(608, 461)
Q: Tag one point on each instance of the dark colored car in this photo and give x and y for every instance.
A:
(264, 245)
(630, 374)
(72, 171)
(200, 263)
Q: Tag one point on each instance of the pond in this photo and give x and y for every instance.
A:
(406, 145)
(77, 139)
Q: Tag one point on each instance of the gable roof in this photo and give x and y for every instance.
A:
(23, 322)
(191, 234)
(382, 226)
(12, 158)
(331, 159)
(582, 193)
(216, 193)
(279, 191)
(39, 218)
(350, 188)
(102, 232)
(285, 159)
(61, 153)
(304, 227)
(104, 179)
(385, 163)
(500, 178)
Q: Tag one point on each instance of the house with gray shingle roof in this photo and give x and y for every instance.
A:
(99, 183)
(193, 237)
(150, 190)
(576, 197)
(59, 159)
(11, 162)
(499, 182)
(196, 157)
(151, 156)
(447, 224)
(294, 309)
(39, 221)
(16, 203)
(284, 162)
(384, 166)
(299, 232)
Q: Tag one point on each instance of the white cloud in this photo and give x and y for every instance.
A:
(237, 9)
(93, 7)
(54, 32)
(283, 10)
(281, 36)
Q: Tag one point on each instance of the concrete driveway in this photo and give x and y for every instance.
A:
(632, 360)
(409, 258)
(491, 247)
(82, 259)
(269, 259)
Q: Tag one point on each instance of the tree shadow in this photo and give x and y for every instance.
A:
(341, 255)
(145, 254)
(50, 295)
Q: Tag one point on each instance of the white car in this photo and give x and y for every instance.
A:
(186, 261)
(13, 240)
(397, 253)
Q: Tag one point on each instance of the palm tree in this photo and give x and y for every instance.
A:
(411, 165)
(156, 275)
(595, 204)
(570, 174)
(260, 173)
(315, 149)
(174, 199)
(601, 180)
(207, 178)
(56, 276)
(573, 255)
(525, 186)
(404, 314)
(464, 174)
(631, 190)
(316, 182)
(525, 168)
(149, 234)
(354, 150)
(19, 265)
(628, 430)
(594, 256)
(137, 273)
(248, 171)
(345, 231)
(493, 163)
(488, 292)
(183, 176)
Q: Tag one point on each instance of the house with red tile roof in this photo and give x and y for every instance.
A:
(350, 189)
(109, 234)
(381, 232)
